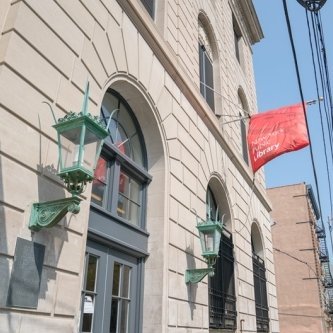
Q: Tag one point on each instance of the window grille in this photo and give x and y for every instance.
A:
(222, 299)
(260, 293)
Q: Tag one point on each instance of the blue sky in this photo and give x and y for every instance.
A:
(276, 85)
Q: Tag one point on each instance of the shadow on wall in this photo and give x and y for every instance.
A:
(4, 261)
(191, 287)
(49, 188)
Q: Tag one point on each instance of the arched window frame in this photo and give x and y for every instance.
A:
(206, 64)
(222, 295)
(122, 178)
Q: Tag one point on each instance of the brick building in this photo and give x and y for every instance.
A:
(170, 75)
(304, 281)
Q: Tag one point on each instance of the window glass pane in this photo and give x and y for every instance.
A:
(109, 105)
(149, 5)
(211, 206)
(99, 183)
(201, 70)
(136, 149)
(121, 140)
(126, 281)
(114, 316)
(88, 297)
(124, 316)
(88, 313)
(116, 279)
(126, 120)
(209, 82)
(244, 142)
(129, 198)
(123, 129)
(134, 213)
(122, 208)
(124, 184)
(135, 191)
(236, 39)
(91, 273)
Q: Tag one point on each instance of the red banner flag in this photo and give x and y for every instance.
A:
(273, 133)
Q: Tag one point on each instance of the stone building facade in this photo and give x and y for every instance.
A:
(303, 277)
(179, 76)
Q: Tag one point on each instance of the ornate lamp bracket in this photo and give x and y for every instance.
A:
(47, 214)
(196, 275)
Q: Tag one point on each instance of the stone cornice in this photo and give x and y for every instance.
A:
(169, 61)
(251, 20)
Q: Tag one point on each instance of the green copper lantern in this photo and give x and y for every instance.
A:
(210, 237)
(80, 140)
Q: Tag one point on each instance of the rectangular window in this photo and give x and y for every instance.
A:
(237, 39)
(150, 7)
(206, 77)
(129, 198)
(120, 298)
(244, 140)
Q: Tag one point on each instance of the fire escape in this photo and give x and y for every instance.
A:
(327, 279)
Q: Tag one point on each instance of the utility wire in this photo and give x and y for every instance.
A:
(302, 98)
(318, 33)
(297, 259)
(319, 47)
(320, 111)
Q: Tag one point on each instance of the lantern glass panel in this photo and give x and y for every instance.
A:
(209, 241)
(217, 240)
(70, 148)
(76, 153)
(91, 148)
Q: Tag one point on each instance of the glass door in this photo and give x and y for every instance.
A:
(109, 289)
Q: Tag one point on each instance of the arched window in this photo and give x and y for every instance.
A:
(150, 7)
(243, 114)
(237, 39)
(121, 174)
(259, 278)
(222, 299)
(206, 67)
(112, 291)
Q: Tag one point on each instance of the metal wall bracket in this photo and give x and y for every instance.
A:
(196, 275)
(47, 214)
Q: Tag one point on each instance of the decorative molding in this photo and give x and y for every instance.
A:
(168, 59)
